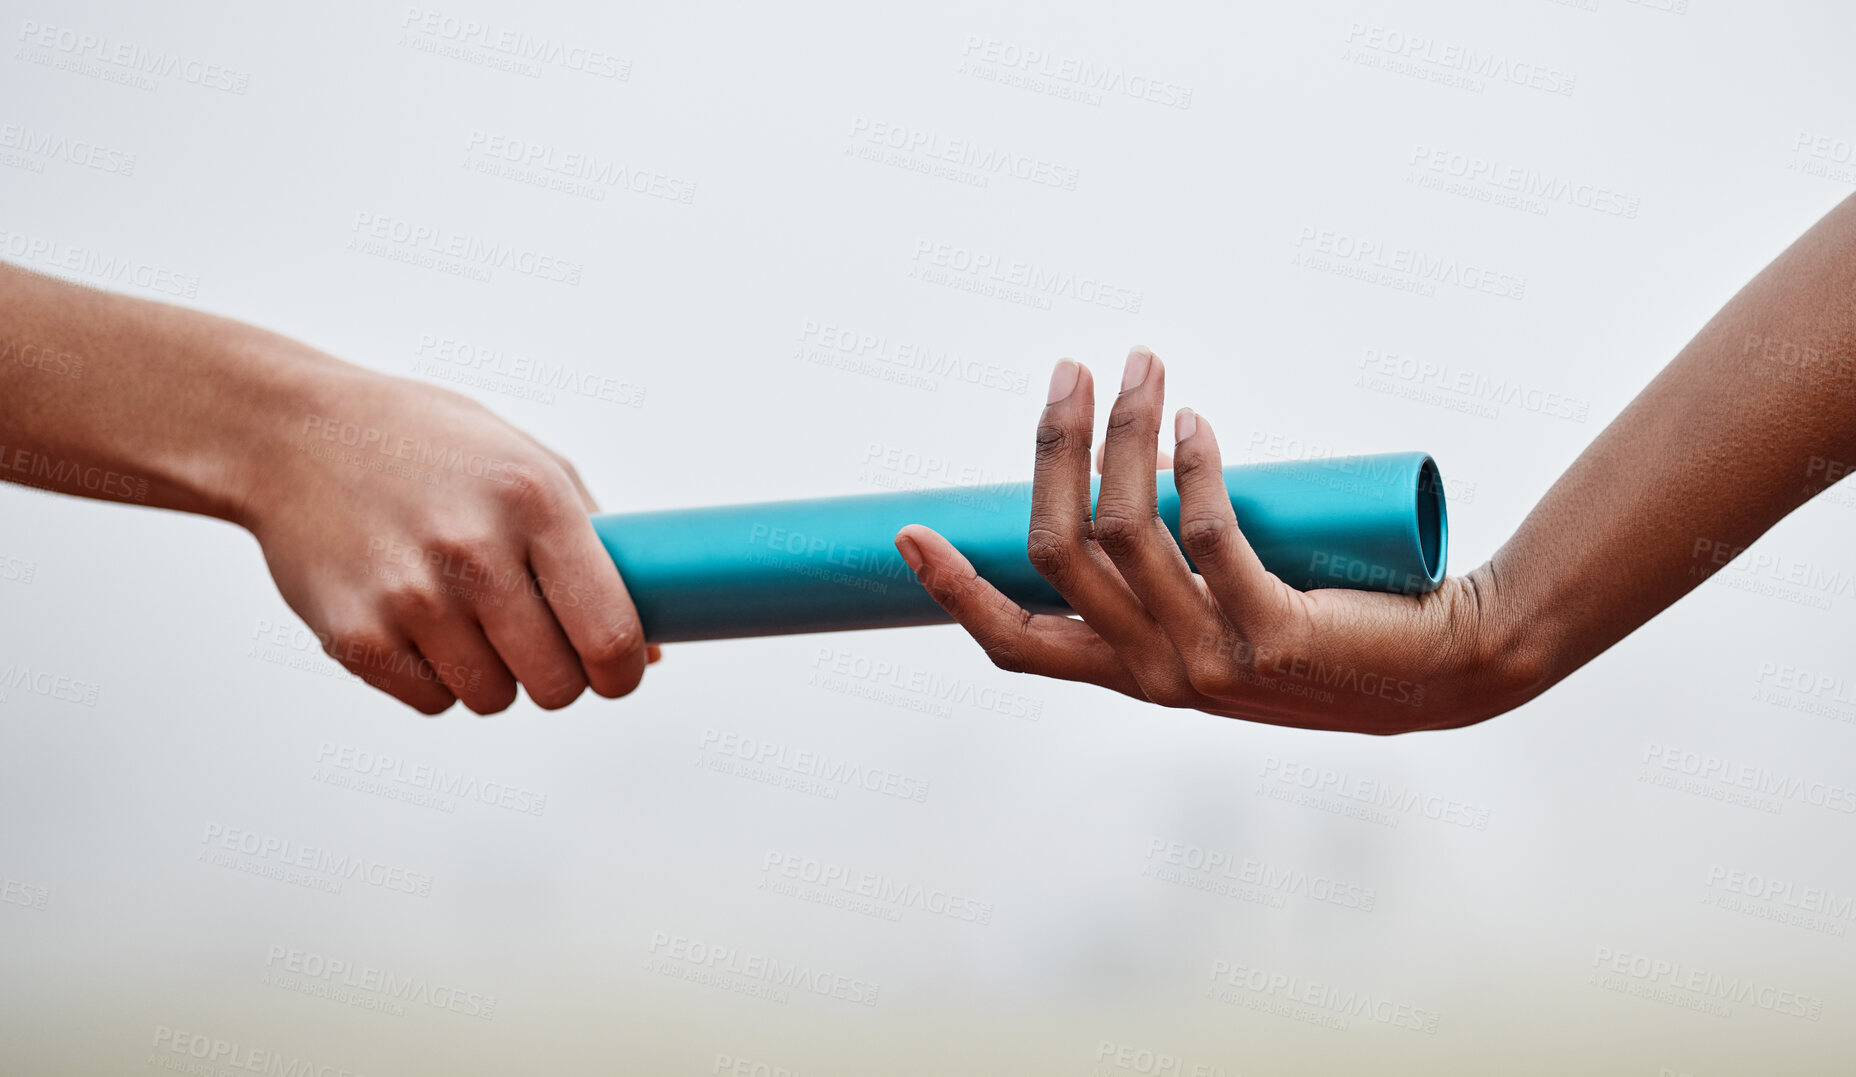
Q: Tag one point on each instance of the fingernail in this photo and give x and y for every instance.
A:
(1063, 380)
(911, 552)
(1132, 375)
(1185, 424)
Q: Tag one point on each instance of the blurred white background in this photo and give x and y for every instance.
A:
(1078, 883)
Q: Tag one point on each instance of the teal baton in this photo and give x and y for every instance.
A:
(1375, 523)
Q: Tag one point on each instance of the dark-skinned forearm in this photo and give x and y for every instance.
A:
(1753, 418)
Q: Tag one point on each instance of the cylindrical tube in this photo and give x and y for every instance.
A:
(1366, 522)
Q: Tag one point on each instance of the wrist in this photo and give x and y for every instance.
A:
(1514, 649)
(273, 389)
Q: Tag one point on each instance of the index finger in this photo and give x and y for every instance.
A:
(582, 587)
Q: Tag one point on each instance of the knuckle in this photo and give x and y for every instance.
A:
(614, 646)
(369, 652)
(1170, 692)
(1119, 526)
(350, 642)
(460, 679)
(466, 550)
(947, 588)
(558, 692)
(337, 635)
(623, 682)
(413, 602)
(1204, 535)
(1055, 442)
(529, 495)
(1008, 657)
(1212, 680)
(1187, 464)
(1052, 555)
(1238, 654)
(1124, 416)
(1006, 649)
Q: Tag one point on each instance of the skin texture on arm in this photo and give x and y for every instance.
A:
(438, 552)
(1753, 418)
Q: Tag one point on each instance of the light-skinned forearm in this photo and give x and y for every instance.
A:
(437, 551)
(119, 398)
